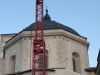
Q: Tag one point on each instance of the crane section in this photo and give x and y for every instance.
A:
(38, 54)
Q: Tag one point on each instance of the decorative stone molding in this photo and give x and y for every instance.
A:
(56, 32)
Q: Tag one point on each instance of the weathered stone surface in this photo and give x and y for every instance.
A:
(1, 67)
(61, 52)
(60, 45)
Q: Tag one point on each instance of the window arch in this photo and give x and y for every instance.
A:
(12, 64)
(76, 62)
(46, 60)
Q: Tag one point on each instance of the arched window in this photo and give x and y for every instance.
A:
(12, 64)
(46, 60)
(76, 62)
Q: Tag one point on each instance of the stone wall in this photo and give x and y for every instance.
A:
(60, 45)
(60, 54)
(3, 39)
(1, 67)
(14, 49)
(22, 50)
(27, 53)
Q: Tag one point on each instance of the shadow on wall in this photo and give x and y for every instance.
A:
(76, 62)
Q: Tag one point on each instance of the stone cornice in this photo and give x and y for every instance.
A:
(58, 32)
(55, 32)
(13, 40)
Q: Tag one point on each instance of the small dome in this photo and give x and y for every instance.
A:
(49, 24)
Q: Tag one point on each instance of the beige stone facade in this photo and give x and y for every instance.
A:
(62, 48)
(3, 39)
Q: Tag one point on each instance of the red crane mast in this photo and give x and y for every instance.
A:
(38, 57)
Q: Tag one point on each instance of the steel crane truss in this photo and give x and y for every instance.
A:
(38, 57)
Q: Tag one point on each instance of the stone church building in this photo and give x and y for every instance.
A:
(67, 51)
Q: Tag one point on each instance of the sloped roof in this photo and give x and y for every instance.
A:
(50, 24)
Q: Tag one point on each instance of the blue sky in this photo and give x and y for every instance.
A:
(81, 15)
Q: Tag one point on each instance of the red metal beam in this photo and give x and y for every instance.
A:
(38, 57)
